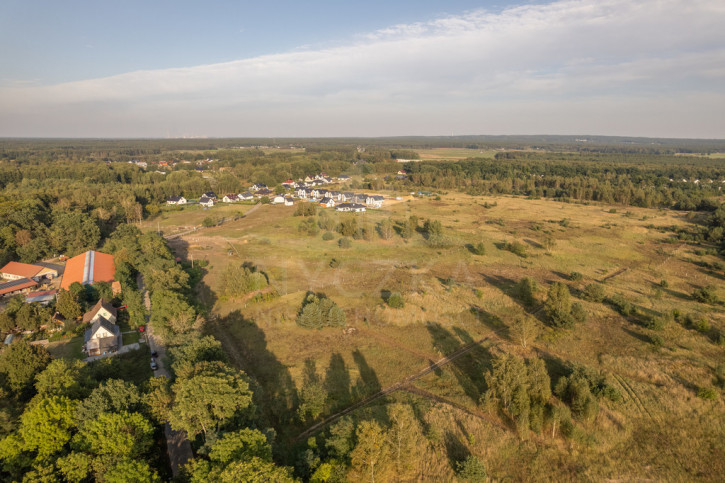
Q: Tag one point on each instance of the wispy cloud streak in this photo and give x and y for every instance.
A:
(594, 66)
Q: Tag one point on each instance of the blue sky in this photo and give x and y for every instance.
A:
(342, 68)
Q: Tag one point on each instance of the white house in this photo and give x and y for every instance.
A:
(327, 202)
(354, 207)
(245, 196)
(206, 202)
(375, 201)
(230, 198)
(277, 200)
(176, 200)
(102, 337)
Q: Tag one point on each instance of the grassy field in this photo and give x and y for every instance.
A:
(448, 154)
(453, 297)
(67, 349)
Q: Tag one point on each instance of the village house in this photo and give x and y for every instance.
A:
(259, 186)
(176, 200)
(289, 184)
(289, 201)
(335, 195)
(230, 198)
(327, 202)
(206, 202)
(103, 336)
(346, 196)
(353, 207)
(343, 177)
(319, 193)
(277, 200)
(301, 192)
(43, 298)
(263, 192)
(375, 201)
(245, 196)
(209, 194)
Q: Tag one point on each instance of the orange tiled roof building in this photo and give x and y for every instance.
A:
(88, 268)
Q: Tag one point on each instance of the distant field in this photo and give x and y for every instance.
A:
(453, 297)
(438, 154)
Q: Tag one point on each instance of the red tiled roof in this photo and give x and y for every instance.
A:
(16, 285)
(88, 268)
(21, 269)
(41, 294)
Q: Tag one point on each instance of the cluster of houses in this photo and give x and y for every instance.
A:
(22, 278)
(308, 189)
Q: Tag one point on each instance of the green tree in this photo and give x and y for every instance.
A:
(46, 427)
(112, 395)
(206, 348)
(524, 330)
(122, 434)
(527, 289)
(20, 363)
(68, 305)
(62, 377)
(75, 466)
(471, 470)
(131, 471)
(7, 322)
(208, 395)
(593, 292)
(158, 398)
(558, 306)
(241, 445)
(385, 229)
(371, 449)
(404, 435)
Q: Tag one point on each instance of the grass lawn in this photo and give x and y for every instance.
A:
(67, 349)
(131, 338)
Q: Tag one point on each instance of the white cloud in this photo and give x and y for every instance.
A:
(651, 67)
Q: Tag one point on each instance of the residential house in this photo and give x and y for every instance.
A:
(301, 192)
(346, 196)
(353, 207)
(259, 186)
(289, 184)
(245, 196)
(375, 201)
(263, 192)
(319, 193)
(176, 200)
(360, 198)
(102, 309)
(289, 201)
(327, 202)
(102, 337)
(335, 195)
(206, 201)
(277, 200)
(231, 198)
(308, 179)
(343, 177)
(209, 194)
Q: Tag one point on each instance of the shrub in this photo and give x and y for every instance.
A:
(558, 306)
(334, 263)
(720, 375)
(576, 276)
(517, 248)
(657, 340)
(344, 242)
(655, 323)
(622, 305)
(395, 300)
(593, 293)
(327, 236)
(477, 249)
(702, 325)
(707, 393)
(664, 283)
(208, 222)
(578, 312)
(706, 295)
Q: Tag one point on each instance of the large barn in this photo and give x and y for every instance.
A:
(88, 268)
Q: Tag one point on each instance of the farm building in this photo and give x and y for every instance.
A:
(17, 286)
(88, 268)
(17, 271)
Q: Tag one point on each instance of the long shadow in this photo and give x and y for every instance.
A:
(276, 393)
(456, 450)
(637, 335)
(367, 385)
(491, 321)
(469, 368)
(337, 383)
(200, 292)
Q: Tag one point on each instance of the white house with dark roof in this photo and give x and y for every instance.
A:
(375, 201)
(353, 207)
(102, 337)
(245, 196)
(206, 201)
(327, 202)
(176, 200)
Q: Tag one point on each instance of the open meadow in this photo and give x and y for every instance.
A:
(452, 297)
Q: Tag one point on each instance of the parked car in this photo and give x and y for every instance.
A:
(154, 366)
(154, 354)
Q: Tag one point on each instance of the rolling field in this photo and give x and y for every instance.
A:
(453, 297)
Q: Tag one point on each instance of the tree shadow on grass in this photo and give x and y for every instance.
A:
(469, 368)
(456, 450)
(276, 393)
